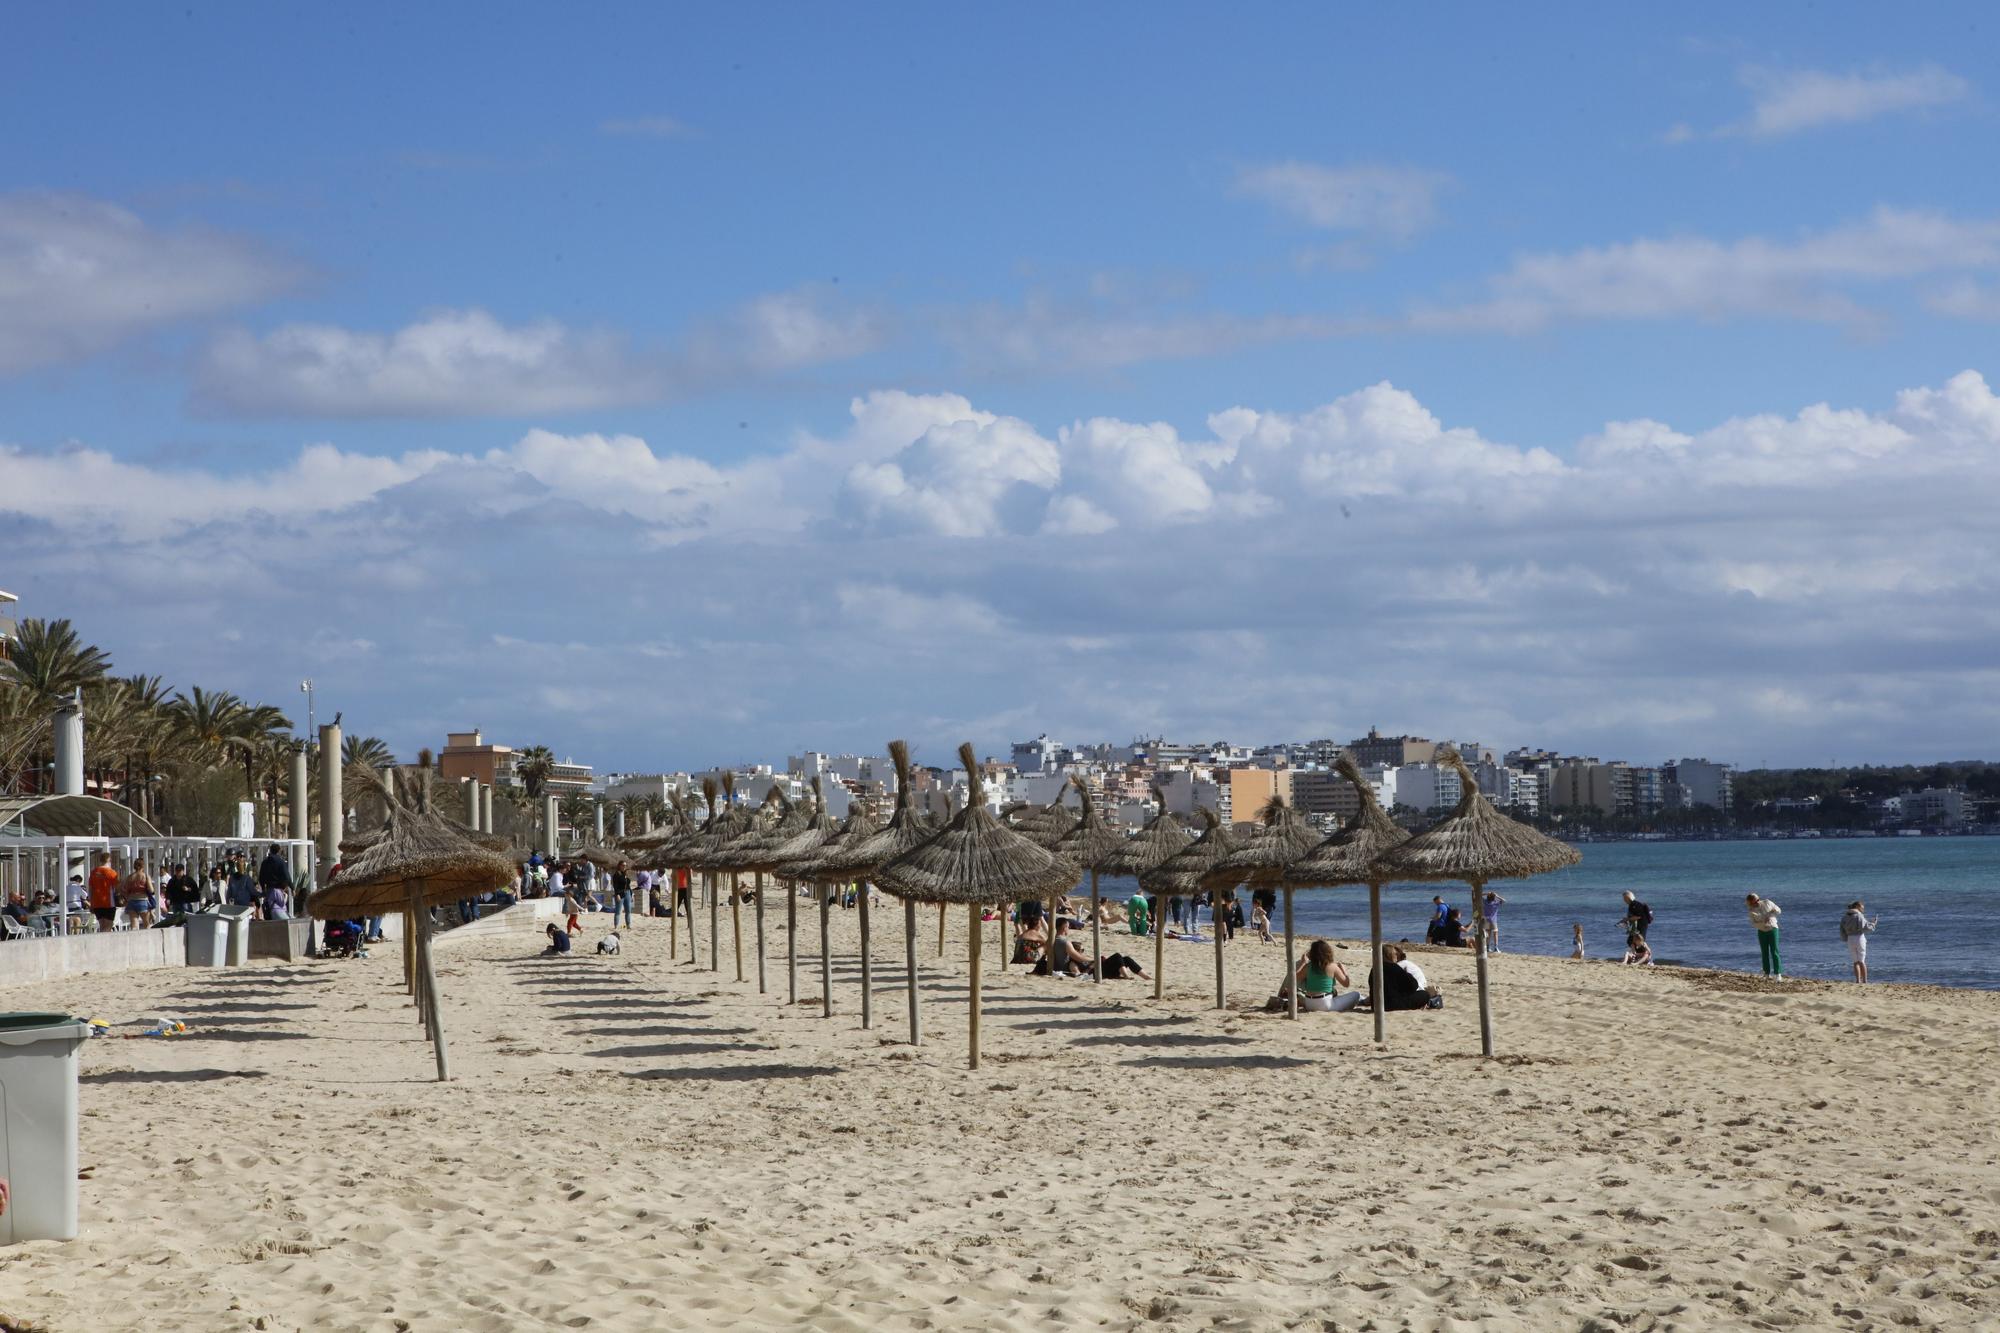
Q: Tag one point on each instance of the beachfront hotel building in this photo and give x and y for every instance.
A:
(1394, 751)
(467, 755)
(1695, 783)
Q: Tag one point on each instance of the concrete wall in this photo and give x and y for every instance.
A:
(23, 961)
(528, 915)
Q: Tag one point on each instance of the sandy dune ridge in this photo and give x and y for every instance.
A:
(640, 1143)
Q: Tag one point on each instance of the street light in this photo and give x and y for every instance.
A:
(312, 731)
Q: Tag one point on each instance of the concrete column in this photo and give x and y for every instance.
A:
(485, 809)
(549, 838)
(332, 816)
(472, 804)
(69, 746)
(301, 808)
(600, 823)
(620, 824)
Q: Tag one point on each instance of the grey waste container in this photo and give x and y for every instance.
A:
(38, 1124)
(238, 952)
(207, 939)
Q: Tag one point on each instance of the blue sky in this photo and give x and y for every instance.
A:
(938, 369)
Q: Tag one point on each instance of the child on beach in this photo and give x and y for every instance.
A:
(574, 911)
(1637, 952)
(1576, 930)
(1260, 921)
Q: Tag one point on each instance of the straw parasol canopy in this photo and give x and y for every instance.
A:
(1475, 844)
(1277, 839)
(1349, 856)
(858, 855)
(798, 837)
(605, 858)
(1045, 825)
(1180, 874)
(801, 862)
(1161, 837)
(1090, 841)
(415, 847)
(974, 859)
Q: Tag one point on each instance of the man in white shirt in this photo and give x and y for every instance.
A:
(1764, 919)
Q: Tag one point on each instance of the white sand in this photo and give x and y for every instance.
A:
(634, 1143)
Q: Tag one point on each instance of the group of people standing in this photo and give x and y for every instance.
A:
(267, 892)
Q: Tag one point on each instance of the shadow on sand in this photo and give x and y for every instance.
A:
(737, 1073)
(167, 1075)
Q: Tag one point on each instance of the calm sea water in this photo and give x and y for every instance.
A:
(1938, 899)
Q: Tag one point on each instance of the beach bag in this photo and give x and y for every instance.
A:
(1433, 998)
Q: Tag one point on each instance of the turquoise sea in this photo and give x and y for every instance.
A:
(1938, 899)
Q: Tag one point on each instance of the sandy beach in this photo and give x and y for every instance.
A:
(635, 1142)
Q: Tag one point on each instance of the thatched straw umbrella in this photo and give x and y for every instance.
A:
(809, 866)
(687, 850)
(712, 852)
(1045, 826)
(757, 851)
(862, 857)
(974, 860)
(1143, 852)
(420, 859)
(801, 834)
(1350, 857)
(1089, 844)
(1279, 838)
(1180, 874)
(1477, 844)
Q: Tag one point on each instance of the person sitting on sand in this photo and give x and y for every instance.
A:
(1073, 962)
(1452, 933)
(1030, 943)
(1637, 952)
(558, 940)
(1403, 987)
(1398, 955)
(1319, 978)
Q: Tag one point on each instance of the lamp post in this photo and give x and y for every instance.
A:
(306, 688)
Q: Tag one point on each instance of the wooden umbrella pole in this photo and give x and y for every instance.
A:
(673, 916)
(430, 985)
(910, 966)
(1159, 950)
(1479, 961)
(1291, 960)
(825, 955)
(1215, 913)
(867, 963)
(736, 920)
(1096, 941)
(760, 932)
(409, 955)
(1379, 984)
(694, 945)
(1009, 930)
(792, 944)
(940, 930)
(972, 1028)
(714, 922)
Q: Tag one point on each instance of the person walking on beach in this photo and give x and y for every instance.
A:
(1576, 930)
(1638, 916)
(1764, 919)
(1855, 927)
(1489, 912)
(1260, 921)
(621, 895)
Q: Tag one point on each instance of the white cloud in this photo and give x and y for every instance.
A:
(1788, 101)
(1361, 561)
(1391, 201)
(1808, 278)
(78, 276)
(470, 363)
(1965, 299)
(648, 127)
(1045, 335)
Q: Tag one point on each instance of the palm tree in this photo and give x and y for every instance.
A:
(50, 662)
(578, 811)
(205, 722)
(532, 767)
(256, 729)
(367, 750)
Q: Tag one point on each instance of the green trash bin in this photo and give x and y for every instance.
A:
(38, 1124)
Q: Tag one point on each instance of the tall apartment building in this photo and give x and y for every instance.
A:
(1040, 755)
(1395, 751)
(1185, 789)
(1584, 784)
(1246, 791)
(1320, 791)
(1428, 786)
(1692, 784)
(467, 755)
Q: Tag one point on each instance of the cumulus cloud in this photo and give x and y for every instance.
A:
(1651, 588)
(1789, 101)
(1811, 277)
(1392, 201)
(78, 276)
(471, 363)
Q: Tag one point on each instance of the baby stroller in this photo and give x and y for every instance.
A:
(342, 939)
